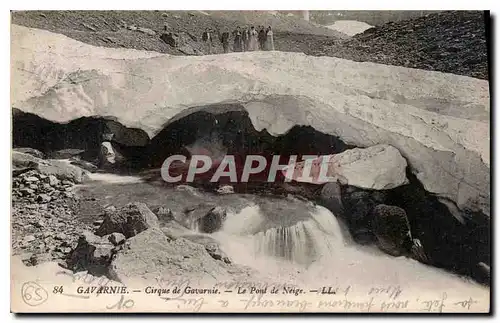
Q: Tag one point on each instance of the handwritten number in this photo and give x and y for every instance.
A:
(33, 294)
(129, 303)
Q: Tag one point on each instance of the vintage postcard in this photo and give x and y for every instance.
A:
(250, 161)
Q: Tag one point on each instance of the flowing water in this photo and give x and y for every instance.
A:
(293, 241)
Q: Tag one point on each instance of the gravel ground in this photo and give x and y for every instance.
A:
(44, 225)
(451, 42)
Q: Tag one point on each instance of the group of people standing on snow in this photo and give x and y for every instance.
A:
(248, 39)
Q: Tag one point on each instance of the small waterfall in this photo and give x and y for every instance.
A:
(291, 243)
(305, 241)
(302, 242)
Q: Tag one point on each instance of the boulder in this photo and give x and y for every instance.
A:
(129, 220)
(174, 230)
(63, 170)
(66, 153)
(164, 214)
(392, 229)
(358, 208)
(150, 255)
(59, 168)
(331, 198)
(377, 167)
(213, 220)
(109, 158)
(190, 216)
(30, 151)
(93, 253)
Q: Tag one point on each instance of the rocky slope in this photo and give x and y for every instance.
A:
(142, 29)
(452, 42)
(44, 225)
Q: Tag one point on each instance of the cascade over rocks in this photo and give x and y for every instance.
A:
(213, 220)
(458, 245)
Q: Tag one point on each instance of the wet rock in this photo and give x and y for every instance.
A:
(93, 253)
(213, 220)
(129, 220)
(225, 189)
(190, 216)
(358, 206)
(331, 198)
(392, 229)
(66, 153)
